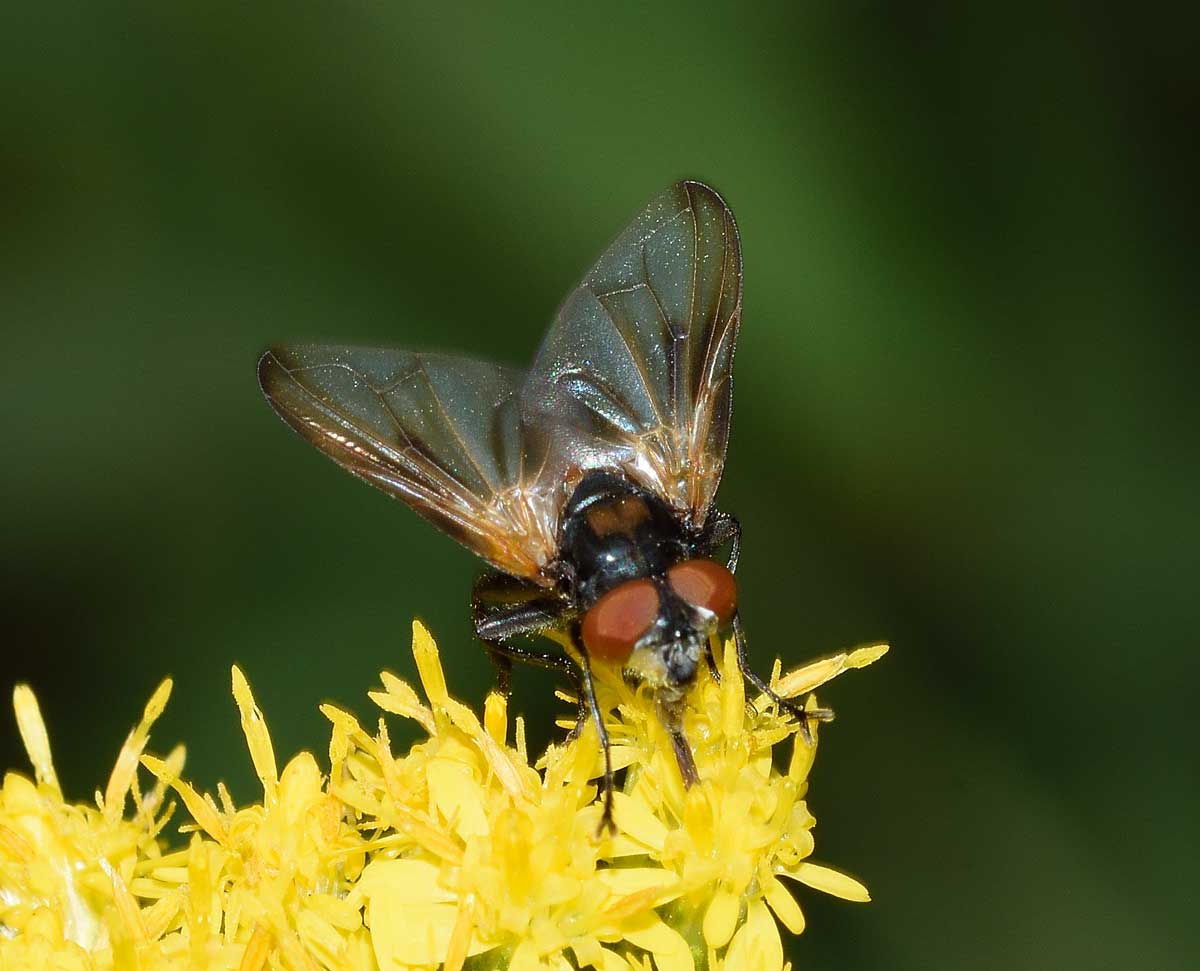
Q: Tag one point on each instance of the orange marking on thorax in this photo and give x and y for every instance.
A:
(620, 517)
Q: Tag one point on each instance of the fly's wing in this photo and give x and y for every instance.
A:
(637, 367)
(441, 433)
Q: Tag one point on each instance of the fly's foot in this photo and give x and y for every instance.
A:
(607, 825)
(794, 708)
(804, 715)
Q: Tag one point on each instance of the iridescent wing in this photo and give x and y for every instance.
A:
(635, 373)
(441, 433)
(637, 367)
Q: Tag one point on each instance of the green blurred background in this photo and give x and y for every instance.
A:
(965, 414)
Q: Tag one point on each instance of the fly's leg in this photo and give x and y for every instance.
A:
(722, 528)
(504, 608)
(684, 758)
(798, 711)
(711, 661)
(503, 665)
(505, 654)
(589, 697)
(670, 716)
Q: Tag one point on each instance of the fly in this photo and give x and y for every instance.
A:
(586, 482)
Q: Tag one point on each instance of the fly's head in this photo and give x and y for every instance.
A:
(657, 628)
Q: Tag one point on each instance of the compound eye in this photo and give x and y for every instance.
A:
(707, 585)
(617, 621)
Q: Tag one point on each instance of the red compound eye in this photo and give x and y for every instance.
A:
(705, 584)
(616, 621)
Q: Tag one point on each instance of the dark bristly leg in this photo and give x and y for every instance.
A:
(798, 711)
(503, 608)
(506, 653)
(711, 661)
(683, 755)
(503, 666)
(589, 694)
(580, 721)
(724, 528)
(503, 655)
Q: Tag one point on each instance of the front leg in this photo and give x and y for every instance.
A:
(504, 607)
(797, 710)
(719, 529)
(593, 707)
(722, 528)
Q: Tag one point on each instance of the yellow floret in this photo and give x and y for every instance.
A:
(457, 854)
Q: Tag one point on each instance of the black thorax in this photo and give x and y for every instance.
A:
(614, 531)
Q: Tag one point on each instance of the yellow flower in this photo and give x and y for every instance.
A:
(460, 853)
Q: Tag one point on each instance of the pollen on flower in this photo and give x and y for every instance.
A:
(458, 853)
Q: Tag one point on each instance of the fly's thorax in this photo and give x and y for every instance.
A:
(614, 532)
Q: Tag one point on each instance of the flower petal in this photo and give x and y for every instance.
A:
(495, 716)
(33, 735)
(497, 756)
(814, 675)
(610, 961)
(201, 809)
(756, 944)
(262, 752)
(860, 657)
(720, 919)
(634, 879)
(125, 768)
(457, 795)
(258, 949)
(420, 937)
(525, 958)
(635, 820)
(412, 917)
(400, 699)
(784, 904)
(829, 881)
(405, 882)
(733, 694)
(670, 950)
(429, 665)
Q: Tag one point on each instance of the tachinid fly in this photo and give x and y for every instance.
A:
(586, 482)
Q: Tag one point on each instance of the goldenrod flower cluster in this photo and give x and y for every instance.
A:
(459, 854)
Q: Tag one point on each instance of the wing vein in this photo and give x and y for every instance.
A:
(717, 332)
(400, 458)
(455, 431)
(634, 351)
(687, 188)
